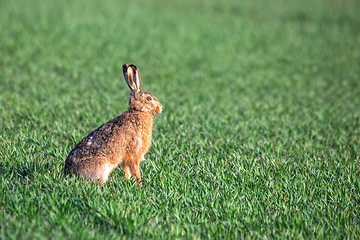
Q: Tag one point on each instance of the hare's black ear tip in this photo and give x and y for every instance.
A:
(133, 67)
(125, 67)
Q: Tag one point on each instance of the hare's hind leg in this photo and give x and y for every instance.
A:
(101, 173)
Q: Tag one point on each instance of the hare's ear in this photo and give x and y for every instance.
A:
(132, 77)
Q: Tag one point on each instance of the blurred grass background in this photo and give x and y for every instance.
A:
(260, 131)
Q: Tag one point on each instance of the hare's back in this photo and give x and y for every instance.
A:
(104, 141)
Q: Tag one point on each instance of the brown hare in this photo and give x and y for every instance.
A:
(122, 141)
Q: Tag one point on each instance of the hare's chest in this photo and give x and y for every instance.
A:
(144, 143)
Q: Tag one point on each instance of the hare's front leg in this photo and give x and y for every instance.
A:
(132, 171)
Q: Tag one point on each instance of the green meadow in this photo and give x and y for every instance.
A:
(259, 137)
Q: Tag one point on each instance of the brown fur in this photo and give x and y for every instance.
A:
(122, 141)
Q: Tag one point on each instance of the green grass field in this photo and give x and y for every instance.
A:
(259, 137)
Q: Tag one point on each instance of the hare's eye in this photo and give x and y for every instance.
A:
(148, 98)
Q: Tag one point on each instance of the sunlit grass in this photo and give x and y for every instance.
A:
(259, 138)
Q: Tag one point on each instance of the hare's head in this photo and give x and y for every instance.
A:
(139, 100)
